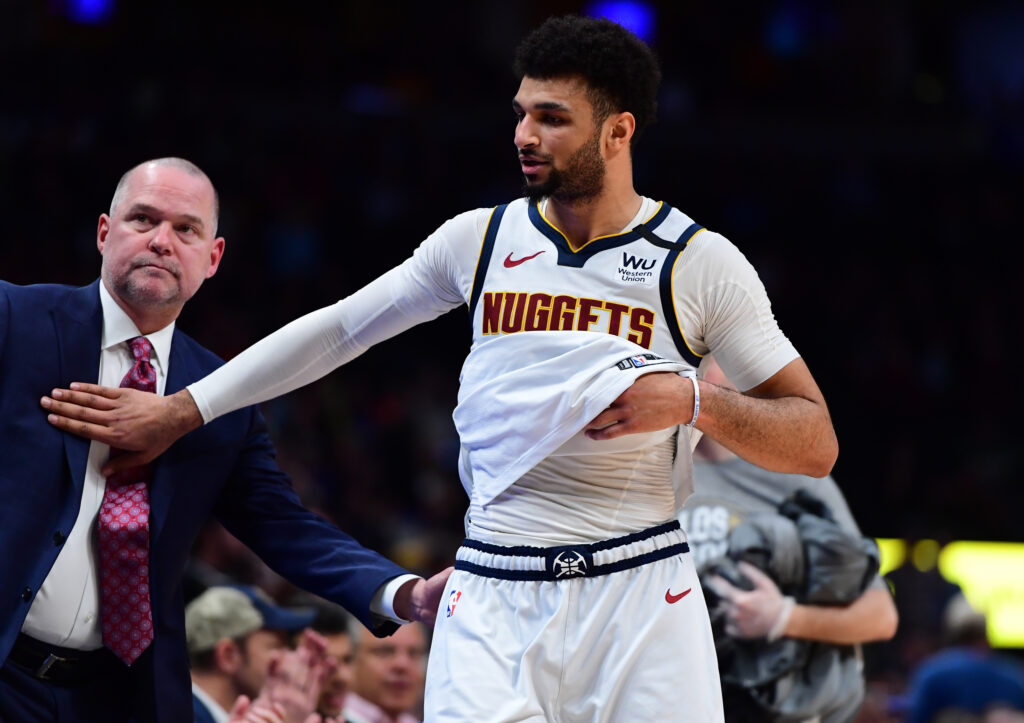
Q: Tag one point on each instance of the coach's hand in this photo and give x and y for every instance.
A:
(658, 400)
(759, 613)
(142, 423)
(418, 599)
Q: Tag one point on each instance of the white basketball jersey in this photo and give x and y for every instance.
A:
(529, 279)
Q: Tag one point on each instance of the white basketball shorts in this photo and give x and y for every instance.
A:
(611, 631)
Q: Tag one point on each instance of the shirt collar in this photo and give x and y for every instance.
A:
(119, 328)
(363, 710)
(218, 714)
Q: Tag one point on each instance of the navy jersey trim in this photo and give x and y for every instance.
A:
(486, 249)
(665, 283)
(576, 259)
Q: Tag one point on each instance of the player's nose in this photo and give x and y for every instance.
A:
(526, 133)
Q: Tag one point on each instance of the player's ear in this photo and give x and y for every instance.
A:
(621, 127)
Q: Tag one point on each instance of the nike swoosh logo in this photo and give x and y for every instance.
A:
(509, 263)
(670, 598)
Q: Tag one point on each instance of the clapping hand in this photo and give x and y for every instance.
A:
(293, 684)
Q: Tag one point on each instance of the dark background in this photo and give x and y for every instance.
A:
(866, 157)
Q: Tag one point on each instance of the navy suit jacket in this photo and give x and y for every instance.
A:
(49, 337)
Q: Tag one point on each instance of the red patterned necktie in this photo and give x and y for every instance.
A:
(123, 536)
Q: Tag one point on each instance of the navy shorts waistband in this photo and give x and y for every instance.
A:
(572, 561)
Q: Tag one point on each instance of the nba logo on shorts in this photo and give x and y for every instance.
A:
(638, 361)
(453, 598)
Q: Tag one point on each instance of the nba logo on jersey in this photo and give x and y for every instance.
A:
(640, 360)
(453, 598)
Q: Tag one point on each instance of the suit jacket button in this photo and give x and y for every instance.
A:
(58, 538)
(26, 594)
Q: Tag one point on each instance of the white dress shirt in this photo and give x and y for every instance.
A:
(65, 611)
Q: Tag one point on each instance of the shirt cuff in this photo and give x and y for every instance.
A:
(383, 602)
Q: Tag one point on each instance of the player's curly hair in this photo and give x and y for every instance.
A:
(619, 68)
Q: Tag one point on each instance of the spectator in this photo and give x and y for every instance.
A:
(388, 675)
(334, 624)
(966, 679)
(232, 634)
(829, 686)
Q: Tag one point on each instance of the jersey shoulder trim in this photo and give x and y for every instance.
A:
(486, 249)
(675, 250)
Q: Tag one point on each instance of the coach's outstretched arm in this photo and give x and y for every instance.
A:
(781, 424)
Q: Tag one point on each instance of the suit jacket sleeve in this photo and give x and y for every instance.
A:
(259, 506)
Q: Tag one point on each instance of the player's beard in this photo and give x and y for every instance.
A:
(581, 180)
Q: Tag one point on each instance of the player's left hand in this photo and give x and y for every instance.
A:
(658, 400)
(759, 613)
(418, 599)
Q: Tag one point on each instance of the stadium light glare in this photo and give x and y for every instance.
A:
(90, 12)
(991, 575)
(637, 17)
(893, 553)
(925, 554)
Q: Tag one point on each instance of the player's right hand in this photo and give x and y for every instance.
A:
(142, 423)
(653, 402)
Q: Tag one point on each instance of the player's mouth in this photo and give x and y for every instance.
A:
(530, 165)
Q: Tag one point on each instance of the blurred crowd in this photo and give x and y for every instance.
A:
(868, 159)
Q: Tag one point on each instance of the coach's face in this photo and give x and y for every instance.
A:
(158, 245)
(558, 140)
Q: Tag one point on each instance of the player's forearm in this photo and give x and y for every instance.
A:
(785, 434)
(295, 355)
(870, 617)
(319, 342)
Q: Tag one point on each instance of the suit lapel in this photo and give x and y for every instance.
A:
(180, 373)
(78, 323)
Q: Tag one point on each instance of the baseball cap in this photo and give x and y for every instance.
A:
(230, 611)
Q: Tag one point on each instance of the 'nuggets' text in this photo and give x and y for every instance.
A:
(506, 312)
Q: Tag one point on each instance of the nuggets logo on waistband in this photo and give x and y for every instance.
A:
(506, 312)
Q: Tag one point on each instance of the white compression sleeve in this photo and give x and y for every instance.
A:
(319, 342)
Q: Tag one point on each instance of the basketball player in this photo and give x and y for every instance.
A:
(574, 597)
